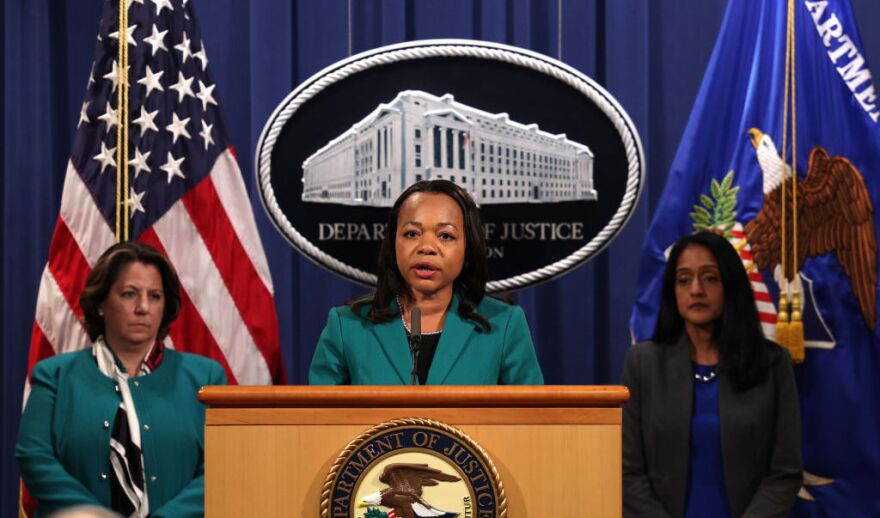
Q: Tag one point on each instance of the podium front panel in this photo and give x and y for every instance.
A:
(558, 461)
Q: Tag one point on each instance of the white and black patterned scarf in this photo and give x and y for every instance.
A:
(128, 490)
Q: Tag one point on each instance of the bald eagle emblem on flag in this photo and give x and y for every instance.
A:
(834, 214)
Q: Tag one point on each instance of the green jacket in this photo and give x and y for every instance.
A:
(63, 444)
(353, 350)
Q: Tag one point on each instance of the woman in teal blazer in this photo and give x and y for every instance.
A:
(119, 424)
(64, 439)
(433, 258)
(353, 350)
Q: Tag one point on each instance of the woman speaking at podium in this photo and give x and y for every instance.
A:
(712, 425)
(432, 265)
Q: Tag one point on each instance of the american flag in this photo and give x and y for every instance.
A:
(186, 198)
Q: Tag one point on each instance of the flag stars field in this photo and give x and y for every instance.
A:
(155, 40)
(134, 202)
(146, 120)
(201, 56)
(140, 162)
(130, 31)
(151, 80)
(184, 48)
(206, 134)
(83, 114)
(161, 4)
(113, 76)
(183, 87)
(205, 96)
(109, 117)
(172, 167)
(105, 157)
(178, 128)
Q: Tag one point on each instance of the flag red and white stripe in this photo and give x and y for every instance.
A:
(210, 236)
(763, 300)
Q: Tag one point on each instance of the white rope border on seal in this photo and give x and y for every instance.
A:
(486, 50)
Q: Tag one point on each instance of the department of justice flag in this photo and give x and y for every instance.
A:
(726, 175)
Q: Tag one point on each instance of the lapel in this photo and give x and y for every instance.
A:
(456, 333)
(679, 409)
(730, 457)
(392, 339)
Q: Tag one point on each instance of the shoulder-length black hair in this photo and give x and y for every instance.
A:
(470, 285)
(104, 274)
(744, 352)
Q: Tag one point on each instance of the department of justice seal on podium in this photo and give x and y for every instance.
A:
(416, 468)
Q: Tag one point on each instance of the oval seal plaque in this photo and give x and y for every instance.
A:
(553, 161)
(413, 467)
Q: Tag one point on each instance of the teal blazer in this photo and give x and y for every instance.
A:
(63, 445)
(355, 351)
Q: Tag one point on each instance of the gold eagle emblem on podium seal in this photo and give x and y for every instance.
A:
(413, 468)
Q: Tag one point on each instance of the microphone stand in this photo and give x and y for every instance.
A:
(415, 340)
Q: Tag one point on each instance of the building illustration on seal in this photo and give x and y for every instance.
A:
(419, 136)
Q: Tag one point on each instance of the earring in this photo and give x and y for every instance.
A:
(100, 312)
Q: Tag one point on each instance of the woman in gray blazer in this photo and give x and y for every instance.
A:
(712, 426)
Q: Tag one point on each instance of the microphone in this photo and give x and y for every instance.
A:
(415, 339)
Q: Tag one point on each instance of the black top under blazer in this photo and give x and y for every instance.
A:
(760, 435)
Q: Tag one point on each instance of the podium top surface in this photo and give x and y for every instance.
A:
(436, 396)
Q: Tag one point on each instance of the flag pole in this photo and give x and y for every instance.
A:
(783, 326)
(789, 324)
(122, 127)
(796, 338)
(22, 513)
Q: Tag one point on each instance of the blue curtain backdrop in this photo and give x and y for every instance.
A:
(650, 54)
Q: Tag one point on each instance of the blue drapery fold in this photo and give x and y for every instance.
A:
(650, 54)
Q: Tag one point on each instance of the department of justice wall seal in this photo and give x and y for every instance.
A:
(415, 468)
(551, 158)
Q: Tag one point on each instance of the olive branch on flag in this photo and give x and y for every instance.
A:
(716, 213)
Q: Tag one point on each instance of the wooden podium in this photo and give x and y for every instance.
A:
(557, 448)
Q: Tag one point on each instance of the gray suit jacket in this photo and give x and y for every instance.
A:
(760, 435)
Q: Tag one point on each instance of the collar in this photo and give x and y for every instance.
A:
(151, 361)
(456, 333)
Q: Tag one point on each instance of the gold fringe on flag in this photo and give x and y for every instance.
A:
(783, 326)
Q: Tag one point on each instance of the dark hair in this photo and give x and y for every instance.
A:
(744, 352)
(470, 284)
(105, 272)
